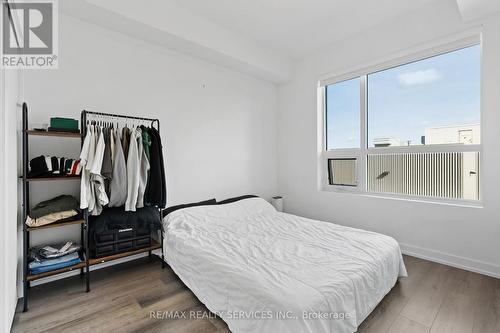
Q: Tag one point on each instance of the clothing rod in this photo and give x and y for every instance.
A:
(119, 116)
(112, 115)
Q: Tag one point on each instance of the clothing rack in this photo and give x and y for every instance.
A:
(107, 118)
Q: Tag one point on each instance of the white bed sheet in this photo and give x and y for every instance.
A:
(266, 271)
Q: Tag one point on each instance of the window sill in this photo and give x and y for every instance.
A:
(386, 196)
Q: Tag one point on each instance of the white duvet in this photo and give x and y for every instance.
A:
(265, 271)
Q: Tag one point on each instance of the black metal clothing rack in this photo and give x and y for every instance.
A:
(102, 115)
(84, 266)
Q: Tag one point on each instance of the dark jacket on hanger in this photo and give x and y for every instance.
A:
(146, 141)
(156, 194)
(107, 164)
(125, 141)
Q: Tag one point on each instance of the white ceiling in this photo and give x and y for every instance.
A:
(296, 28)
(256, 37)
(165, 23)
(475, 9)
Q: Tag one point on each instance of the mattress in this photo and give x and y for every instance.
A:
(265, 271)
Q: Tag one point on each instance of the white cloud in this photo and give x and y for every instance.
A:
(419, 77)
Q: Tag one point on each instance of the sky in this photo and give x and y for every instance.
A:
(403, 101)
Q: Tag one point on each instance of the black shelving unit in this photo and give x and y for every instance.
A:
(84, 265)
(27, 277)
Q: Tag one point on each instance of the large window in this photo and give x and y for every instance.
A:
(411, 129)
(431, 101)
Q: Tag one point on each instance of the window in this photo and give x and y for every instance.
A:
(342, 114)
(425, 102)
(342, 171)
(412, 129)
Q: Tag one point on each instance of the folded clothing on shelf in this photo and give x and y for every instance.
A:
(46, 265)
(52, 165)
(40, 253)
(58, 209)
(66, 215)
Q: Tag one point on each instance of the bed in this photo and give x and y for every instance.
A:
(265, 271)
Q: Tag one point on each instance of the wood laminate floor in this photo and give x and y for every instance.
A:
(434, 298)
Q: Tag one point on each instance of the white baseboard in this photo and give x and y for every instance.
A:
(467, 264)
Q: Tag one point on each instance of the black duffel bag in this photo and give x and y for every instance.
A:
(116, 231)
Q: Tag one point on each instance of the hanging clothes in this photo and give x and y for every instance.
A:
(99, 153)
(133, 172)
(146, 141)
(107, 166)
(144, 168)
(88, 168)
(85, 180)
(112, 145)
(96, 179)
(118, 184)
(120, 168)
(93, 140)
(156, 194)
(126, 141)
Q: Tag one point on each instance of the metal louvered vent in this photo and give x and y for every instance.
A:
(443, 175)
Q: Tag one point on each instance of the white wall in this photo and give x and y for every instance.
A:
(10, 112)
(462, 236)
(217, 126)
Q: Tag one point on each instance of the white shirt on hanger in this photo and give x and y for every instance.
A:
(85, 180)
(99, 154)
(97, 181)
(133, 171)
(91, 152)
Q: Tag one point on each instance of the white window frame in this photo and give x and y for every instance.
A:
(361, 153)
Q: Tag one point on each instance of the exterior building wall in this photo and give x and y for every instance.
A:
(462, 134)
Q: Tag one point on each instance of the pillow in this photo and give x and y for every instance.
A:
(234, 199)
(171, 209)
(236, 212)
